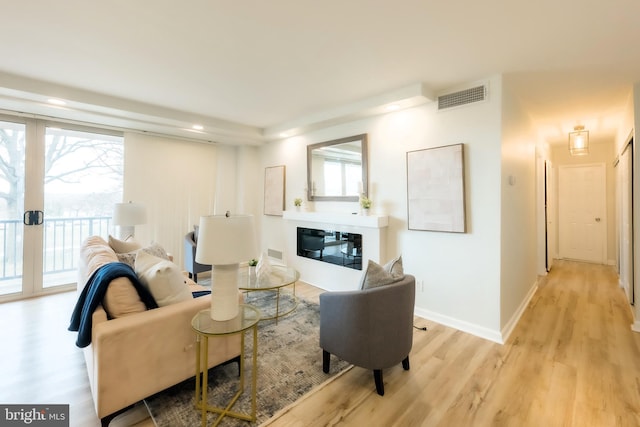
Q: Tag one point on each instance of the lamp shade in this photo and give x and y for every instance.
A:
(129, 214)
(225, 240)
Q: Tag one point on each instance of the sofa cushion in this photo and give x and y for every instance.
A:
(122, 299)
(154, 249)
(94, 253)
(163, 279)
(375, 275)
(124, 246)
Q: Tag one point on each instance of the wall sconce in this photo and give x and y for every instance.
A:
(579, 141)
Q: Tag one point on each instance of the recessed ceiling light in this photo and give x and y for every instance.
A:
(197, 127)
(56, 101)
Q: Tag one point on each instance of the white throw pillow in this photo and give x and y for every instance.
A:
(395, 267)
(154, 249)
(163, 279)
(123, 246)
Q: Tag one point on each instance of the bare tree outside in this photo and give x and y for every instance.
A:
(78, 167)
(82, 181)
(83, 173)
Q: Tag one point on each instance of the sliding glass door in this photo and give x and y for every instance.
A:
(12, 173)
(59, 184)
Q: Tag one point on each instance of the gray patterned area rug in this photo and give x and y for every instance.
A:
(289, 366)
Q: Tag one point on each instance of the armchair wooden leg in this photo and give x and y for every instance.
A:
(405, 363)
(377, 376)
(326, 361)
(195, 277)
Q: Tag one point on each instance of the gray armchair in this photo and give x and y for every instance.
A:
(190, 264)
(370, 328)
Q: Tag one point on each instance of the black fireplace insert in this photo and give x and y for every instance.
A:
(334, 247)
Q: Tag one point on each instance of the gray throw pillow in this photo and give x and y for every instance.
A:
(375, 275)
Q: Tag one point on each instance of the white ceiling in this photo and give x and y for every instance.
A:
(242, 66)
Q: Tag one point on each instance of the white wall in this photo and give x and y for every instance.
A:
(178, 182)
(458, 274)
(636, 204)
(519, 238)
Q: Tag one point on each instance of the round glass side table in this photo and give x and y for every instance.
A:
(205, 327)
(275, 280)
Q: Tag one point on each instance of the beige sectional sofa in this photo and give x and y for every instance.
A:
(134, 352)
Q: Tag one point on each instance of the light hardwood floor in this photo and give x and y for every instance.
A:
(571, 361)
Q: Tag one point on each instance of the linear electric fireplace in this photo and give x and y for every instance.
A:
(334, 247)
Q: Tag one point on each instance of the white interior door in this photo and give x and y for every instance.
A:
(581, 212)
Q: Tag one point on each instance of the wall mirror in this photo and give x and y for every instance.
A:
(337, 170)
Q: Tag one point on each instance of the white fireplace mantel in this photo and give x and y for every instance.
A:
(373, 229)
(338, 218)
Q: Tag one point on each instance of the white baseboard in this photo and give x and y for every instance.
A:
(461, 325)
(511, 324)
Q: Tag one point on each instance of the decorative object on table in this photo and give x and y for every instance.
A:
(263, 267)
(224, 242)
(435, 189)
(252, 267)
(288, 369)
(365, 204)
(274, 178)
(297, 202)
(126, 216)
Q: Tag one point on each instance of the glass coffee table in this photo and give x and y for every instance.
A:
(276, 280)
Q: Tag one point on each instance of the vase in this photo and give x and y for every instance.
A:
(365, 211)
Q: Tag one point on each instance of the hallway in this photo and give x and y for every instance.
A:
(580, 359)
(571, 361)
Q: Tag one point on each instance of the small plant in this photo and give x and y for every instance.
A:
(297, 201)
(365, 202)
(253, 262)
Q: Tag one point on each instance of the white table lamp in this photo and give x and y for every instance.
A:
(224, 242)
(127, 215)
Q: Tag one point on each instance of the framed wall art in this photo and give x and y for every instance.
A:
(435, 189)
(274, 190)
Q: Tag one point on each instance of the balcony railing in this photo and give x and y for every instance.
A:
(61, 245)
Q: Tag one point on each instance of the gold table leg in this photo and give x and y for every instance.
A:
(201, 392)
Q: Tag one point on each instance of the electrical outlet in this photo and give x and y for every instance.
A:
(421, 285)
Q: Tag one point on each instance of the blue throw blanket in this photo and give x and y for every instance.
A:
(93, 293)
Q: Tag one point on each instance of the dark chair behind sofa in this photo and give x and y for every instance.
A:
(190, 264)
(371, 328)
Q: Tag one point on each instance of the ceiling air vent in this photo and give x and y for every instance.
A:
(463, 97)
